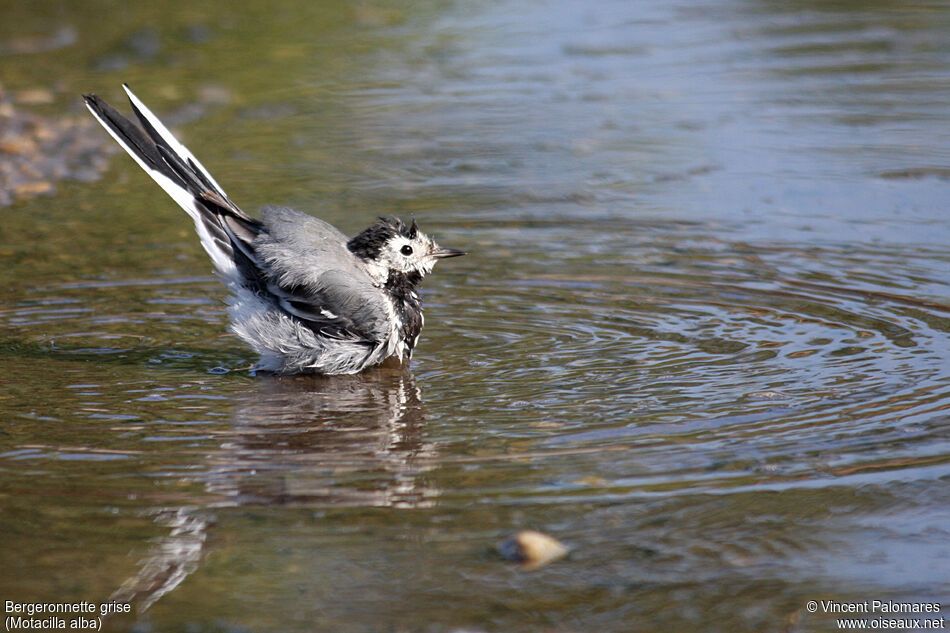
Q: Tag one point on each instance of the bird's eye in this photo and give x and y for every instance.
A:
(406, 250)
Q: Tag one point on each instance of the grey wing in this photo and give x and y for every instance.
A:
(303, 266)
(336, 305)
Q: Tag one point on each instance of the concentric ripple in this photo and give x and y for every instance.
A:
(707, 353)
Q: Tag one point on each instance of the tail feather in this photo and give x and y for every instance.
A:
(157, 130)
(222, 227)
(132, 139)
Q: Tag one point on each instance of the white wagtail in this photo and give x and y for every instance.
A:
(305, 297)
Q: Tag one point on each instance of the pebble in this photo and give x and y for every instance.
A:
(532, 549)
(34, 96)
(36, 151)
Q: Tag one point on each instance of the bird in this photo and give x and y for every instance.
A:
(303, 295)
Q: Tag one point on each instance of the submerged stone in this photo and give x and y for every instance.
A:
(532, 549)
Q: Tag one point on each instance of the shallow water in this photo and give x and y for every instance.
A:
(701, 336)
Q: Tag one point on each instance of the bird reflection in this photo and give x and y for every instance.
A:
(291, 441)
(304, 440)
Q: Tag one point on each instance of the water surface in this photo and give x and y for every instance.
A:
(701, 336)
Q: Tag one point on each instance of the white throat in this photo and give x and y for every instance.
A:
(377, 271)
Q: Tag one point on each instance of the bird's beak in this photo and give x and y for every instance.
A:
(443, 253)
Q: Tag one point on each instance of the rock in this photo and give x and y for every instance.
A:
(532, 549)
(36, 151)
(35, 96)
(32, 44)
(32, 188)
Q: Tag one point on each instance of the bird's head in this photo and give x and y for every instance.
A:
(391, 246)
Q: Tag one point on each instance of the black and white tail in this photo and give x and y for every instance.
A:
(225, 231)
